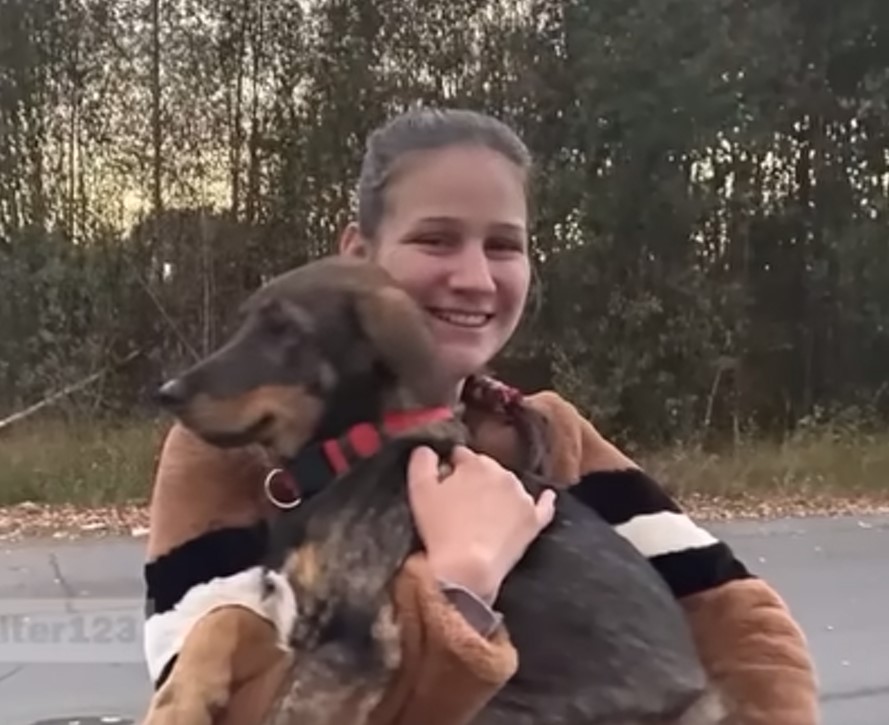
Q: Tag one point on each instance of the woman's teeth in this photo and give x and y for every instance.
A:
(462, 319)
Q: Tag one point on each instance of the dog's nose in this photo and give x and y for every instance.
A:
(172, 393)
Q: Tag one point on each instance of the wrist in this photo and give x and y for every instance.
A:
(478, 614)
(471, 573)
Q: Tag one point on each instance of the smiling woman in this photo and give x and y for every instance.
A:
(449, 221)
(443, 208)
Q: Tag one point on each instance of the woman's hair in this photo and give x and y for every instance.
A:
(425, 129)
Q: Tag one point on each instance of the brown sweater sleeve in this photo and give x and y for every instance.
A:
(745, 634)
(449, 671)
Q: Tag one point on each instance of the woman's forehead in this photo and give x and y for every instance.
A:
(456, 184)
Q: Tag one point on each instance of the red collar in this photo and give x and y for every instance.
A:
(319, 463)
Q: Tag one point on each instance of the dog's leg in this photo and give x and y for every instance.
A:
(341, 681)
(229, 648)
(340, 552)
(709, 709)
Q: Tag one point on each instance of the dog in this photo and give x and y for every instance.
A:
(333, 371)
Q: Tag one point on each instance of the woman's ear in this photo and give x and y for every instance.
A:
(352, 243)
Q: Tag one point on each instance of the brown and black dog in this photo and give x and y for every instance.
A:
(333, 371)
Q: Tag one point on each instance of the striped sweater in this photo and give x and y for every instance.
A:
(206, 542)
(222, 566)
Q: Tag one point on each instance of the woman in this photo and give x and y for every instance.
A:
(442, 205)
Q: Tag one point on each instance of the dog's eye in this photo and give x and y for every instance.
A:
(275, 320)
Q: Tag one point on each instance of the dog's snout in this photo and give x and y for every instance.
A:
(172, 393)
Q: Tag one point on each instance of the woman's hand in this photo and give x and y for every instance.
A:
(476, 522)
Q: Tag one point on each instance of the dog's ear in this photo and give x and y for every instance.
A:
(398, 329)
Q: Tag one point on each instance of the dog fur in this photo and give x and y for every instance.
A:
(336, 343)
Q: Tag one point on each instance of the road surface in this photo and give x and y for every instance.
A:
(70, 617)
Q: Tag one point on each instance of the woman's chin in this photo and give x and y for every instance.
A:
(459, 362)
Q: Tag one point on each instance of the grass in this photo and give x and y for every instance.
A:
(87, 463)
(814, 463)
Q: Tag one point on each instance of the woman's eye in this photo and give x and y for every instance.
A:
(431, 241)
(506, 246)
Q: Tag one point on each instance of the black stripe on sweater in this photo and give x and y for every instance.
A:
(219, 553)
(621, 496)
(618, 496)
(699, 570)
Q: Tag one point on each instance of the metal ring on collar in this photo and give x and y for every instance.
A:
(269, 479)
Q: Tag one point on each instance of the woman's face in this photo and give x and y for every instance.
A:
(454, 234)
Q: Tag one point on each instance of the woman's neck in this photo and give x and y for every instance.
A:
(458, 391)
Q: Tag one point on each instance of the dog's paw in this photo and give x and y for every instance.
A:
(709, 709)
(175, 705)
(279, 603)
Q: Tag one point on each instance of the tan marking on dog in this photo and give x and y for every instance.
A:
(386, 631)
(294, 412)
(303, 566)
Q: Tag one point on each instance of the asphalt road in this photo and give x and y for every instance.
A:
(70, 618)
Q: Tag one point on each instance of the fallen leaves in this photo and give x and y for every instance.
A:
(776, 506)
(65, 521)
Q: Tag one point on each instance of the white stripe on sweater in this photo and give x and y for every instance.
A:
(165, 633)
(665, 532)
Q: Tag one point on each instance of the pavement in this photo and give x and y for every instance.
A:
(71, 614)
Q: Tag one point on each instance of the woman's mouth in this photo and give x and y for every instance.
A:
(461, 318)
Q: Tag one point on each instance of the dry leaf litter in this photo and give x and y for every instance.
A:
(65, 521)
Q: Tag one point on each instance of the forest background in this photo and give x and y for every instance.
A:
(712, 200)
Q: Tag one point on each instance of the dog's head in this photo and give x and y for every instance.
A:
(321, 347)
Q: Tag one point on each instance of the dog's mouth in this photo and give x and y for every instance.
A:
(461, 318)
(257, 432)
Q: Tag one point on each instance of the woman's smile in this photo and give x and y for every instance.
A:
(462, 318)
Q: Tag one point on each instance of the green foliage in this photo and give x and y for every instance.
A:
(711, 187)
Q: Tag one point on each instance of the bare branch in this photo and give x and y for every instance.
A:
(21, 415)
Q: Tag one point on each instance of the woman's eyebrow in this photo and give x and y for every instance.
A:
(500, 225)
(442, 220)
(508, 227)
(448, 222)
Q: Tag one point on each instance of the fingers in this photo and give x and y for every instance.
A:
(462, 455)
(545, 508)
(422, 467)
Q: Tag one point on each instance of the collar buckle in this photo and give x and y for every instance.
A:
(278, 482)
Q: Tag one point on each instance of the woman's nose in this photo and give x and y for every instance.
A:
(472, 272)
